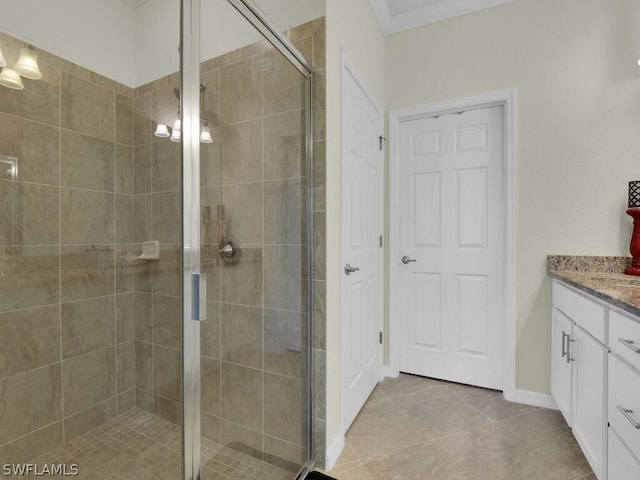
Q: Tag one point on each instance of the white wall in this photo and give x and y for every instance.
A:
(352, 25)
(138, 46)
(574, 63)
(97, 34)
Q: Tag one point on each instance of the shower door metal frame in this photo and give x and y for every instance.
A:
(193, 281)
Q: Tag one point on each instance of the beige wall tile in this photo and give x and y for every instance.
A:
(241, 439)
(284, 408)
(126, 364)
(210, 160)
(28, 214)
(211, 97)
(210, 331)
(319, 246)
(126, 269)
(142, 229)
(242, 396)
(242, 284)
(167, 409)
(167, 321)
(242, 335)
(166, 373)
(87, 325)
(284, 209)
(35, 145)
(166, 274)
(143, 319)
(82, 422)
(39, 101)
(319, 45)
(319, 314)
(124, 120)
(244, 212)
(30, 277)
(210, 425)
(167, 217)
(320, 383)
(29, 339)
(142, 127)
(166, 166)
(86, 162)
(283, 274)
(241, 152)
(284, 86)
(124, 169)
(319, 176)
(88, 380)
(29, 401)
(32, 445)
(210, 375)
(319, 106)
(126, 401)
(144, 400)
(284, 342)
(87, 271)
(125, 317)
(124, 219)
(285, 455)
(86, 217)
(143, 366)
(284, 145)
(87, 108)
(142, 169)
(240, 91)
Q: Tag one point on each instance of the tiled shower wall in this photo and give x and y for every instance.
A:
(86, 332)
(252, 377)
(66, 301)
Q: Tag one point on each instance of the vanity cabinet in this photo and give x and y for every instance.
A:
(579, 371)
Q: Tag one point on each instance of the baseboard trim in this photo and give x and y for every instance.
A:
(334, 451)
(536, 399)
(389, 371)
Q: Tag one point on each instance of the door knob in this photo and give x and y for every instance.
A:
(349, 269)
(406, 260)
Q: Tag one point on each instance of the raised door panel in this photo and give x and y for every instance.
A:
(589, 399)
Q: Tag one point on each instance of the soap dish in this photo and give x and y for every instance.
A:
(150, 250)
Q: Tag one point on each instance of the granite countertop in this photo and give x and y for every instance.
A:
(601, 277)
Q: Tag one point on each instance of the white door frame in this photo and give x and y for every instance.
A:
(347, 66)
(507, 99)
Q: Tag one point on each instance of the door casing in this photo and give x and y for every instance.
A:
(507, 99)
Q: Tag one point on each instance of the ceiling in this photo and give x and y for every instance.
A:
(396, 16)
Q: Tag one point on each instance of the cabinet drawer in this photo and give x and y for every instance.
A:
(586, 313)
(624, 338)
(622, 465)
(624, 393)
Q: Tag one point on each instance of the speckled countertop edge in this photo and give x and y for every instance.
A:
(601, 277)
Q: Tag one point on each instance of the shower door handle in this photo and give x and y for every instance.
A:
(199, 296)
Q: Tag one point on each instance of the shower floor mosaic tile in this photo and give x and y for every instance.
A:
(140, 446)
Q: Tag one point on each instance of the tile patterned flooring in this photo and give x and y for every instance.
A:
(140, 446)
(415, 428)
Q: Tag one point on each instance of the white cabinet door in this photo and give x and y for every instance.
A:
(622, 464)
(561, 367)
(589, 398)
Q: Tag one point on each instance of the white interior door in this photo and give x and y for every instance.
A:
(452, 212)
(362, 214)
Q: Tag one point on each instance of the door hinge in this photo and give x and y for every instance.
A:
(380, 338)
(381, 241)
(381, 139)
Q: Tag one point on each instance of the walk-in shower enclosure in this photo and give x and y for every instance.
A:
(156, 260)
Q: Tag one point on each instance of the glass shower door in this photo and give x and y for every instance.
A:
(251, 413)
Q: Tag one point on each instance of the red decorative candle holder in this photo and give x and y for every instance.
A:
(634, 247)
